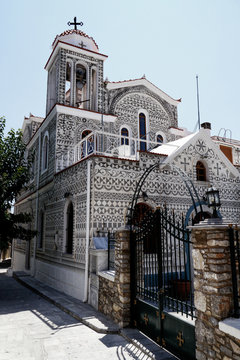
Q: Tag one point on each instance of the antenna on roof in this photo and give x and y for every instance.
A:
(198, 103)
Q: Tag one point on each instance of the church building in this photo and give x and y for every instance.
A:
(95, 143)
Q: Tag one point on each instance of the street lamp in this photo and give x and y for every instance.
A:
(213, 200)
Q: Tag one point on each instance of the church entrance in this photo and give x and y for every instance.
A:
(162, 287)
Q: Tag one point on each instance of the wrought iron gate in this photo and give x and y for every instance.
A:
(162, 301)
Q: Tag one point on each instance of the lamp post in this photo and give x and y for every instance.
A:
(213, 200)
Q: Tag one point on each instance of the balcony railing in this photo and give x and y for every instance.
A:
(102, 143)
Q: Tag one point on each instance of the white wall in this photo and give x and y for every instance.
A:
(67, 280)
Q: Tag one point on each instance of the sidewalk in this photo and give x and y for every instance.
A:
(90, 317)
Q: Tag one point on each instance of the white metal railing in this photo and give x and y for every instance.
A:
(111, 145)
(107, 144)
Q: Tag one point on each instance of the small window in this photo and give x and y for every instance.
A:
(41, 230)
(88, 144)
(81, 88)
(124, 136)
(69, 229)
(68, 83)
(45, 152)
(142, 132)
(159, 139)
(201, 171)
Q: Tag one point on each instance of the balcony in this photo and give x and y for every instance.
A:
(106, 144)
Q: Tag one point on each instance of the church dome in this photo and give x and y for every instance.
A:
(77, 38)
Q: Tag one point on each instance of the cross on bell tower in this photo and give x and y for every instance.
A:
(75, 23)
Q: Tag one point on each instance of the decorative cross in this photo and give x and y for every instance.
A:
(185, 163)
(75, 23)
(180, 339)
(217, 167)
(82, 45)
(145, 319)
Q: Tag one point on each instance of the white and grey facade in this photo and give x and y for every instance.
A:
(97, 139)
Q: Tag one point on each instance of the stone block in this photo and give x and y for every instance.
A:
(200, 355)
(217, 243)
(220, 268)
(200, 301)
(124, 278)
(116, 307)
(198, 261)
(226, 351)
(217, 277)
(235, 347)
(210, 289)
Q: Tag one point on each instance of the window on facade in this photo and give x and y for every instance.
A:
(32, 169)
(201, 171)
(69, 229)
(88, 145)
(81, 88)
(45, 152)
(68, 83)
(159, 139)
(51, 94)
(124, 136)
(41, 230)
(141, 212)
(93, 89)
(142, 131)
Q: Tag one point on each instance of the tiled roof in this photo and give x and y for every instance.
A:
(73, 31)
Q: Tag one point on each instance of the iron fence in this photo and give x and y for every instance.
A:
(111, 250)
(163, 266)
(235, 261)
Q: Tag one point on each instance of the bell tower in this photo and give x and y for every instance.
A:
(75, 71)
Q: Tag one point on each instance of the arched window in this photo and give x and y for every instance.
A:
(141, 210)
(159, 139)
(124, 136)
(45, 152)
(93, 89)
(201, 171)
(81, 88)
(88, 144)
(68, 83)
(69, 229)
(41, 230)
(142, 131)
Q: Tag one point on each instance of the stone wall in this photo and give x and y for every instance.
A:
(213, 293)
(114, 295)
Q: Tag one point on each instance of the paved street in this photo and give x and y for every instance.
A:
(31, 328)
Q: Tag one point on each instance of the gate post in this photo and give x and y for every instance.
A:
(122, 277)
(115, 294)
(212, 288)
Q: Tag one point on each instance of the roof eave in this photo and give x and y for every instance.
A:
(64, 45)
(145, 82)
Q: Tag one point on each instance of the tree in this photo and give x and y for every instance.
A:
(14, 175)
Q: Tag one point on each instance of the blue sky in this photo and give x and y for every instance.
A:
(170, 41)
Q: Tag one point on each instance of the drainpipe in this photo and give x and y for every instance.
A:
(37, 203)
(85, 298)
